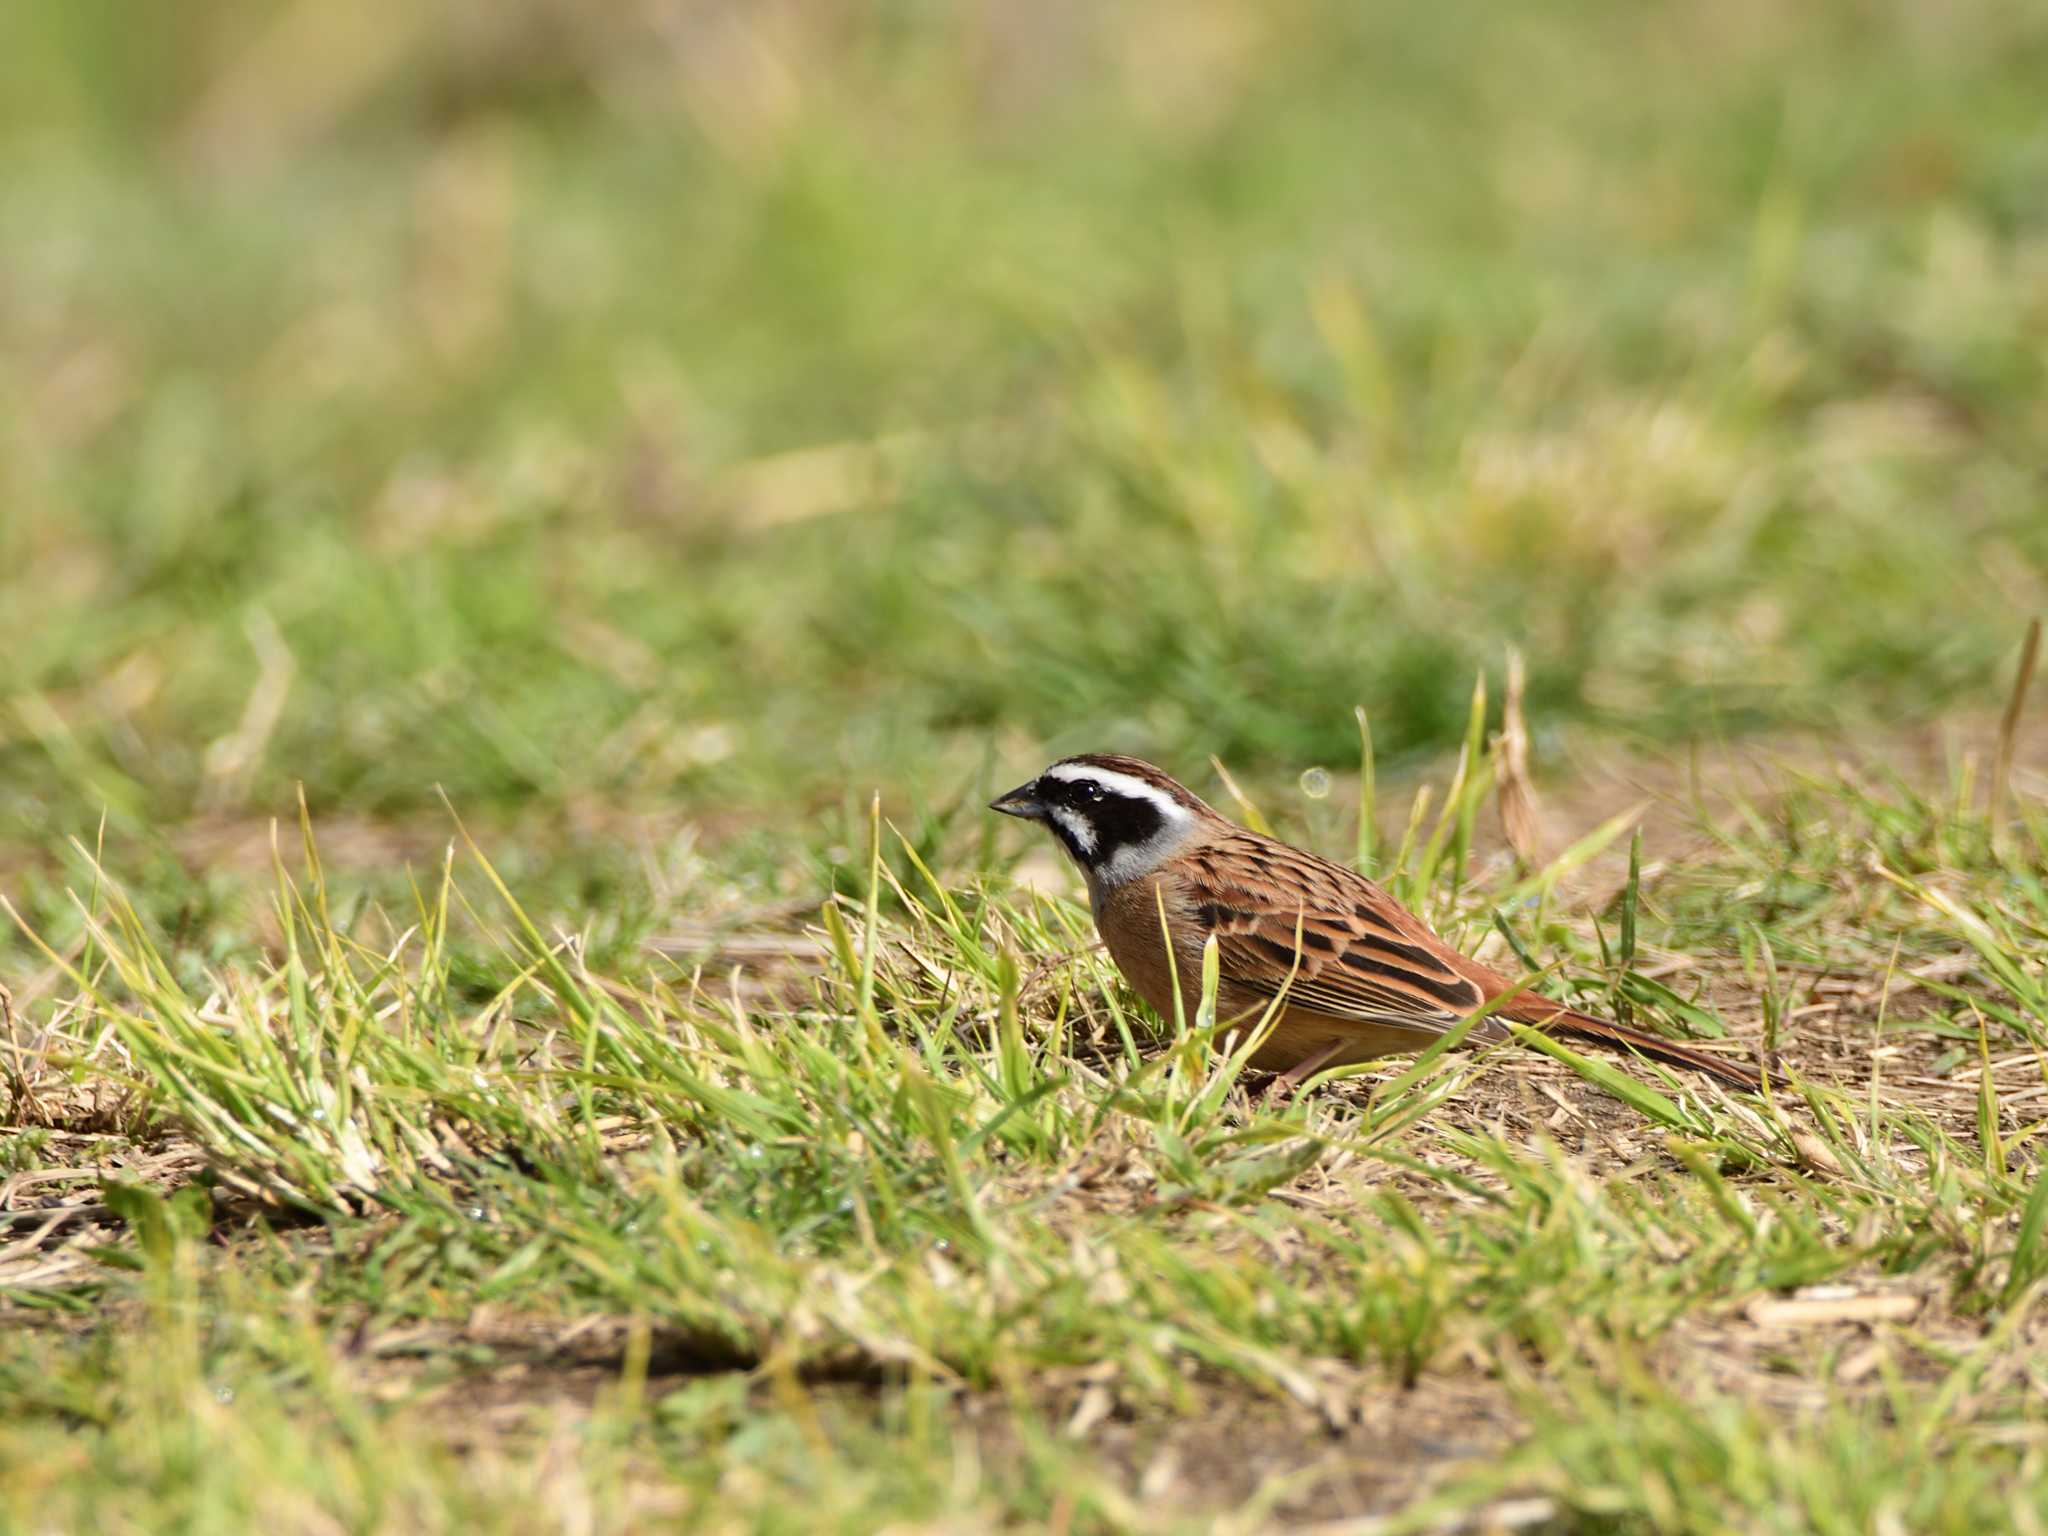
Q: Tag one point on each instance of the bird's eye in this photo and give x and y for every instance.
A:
(1093, 792)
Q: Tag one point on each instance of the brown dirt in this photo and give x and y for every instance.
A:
(1363, 1446)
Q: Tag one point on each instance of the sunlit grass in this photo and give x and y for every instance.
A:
(955, 1159)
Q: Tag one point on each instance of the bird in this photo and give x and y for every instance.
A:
(1351, 974)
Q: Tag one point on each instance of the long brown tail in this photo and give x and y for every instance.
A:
(1583, 1026)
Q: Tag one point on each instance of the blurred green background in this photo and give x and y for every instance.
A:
(732, 407)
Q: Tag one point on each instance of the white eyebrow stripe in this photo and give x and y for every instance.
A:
(1121, 783)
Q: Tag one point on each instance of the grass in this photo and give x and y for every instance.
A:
(885, 1229)
(561, 467)
(500, 406)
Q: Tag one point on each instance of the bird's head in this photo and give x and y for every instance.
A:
(1117, 817)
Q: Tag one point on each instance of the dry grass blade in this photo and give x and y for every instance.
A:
(1521, 817)
(1253, 817)
(2009, 729)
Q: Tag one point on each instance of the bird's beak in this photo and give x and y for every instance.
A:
(1022, 801)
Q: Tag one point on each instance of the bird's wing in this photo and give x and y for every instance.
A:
(1342, 947)
(1336, 943)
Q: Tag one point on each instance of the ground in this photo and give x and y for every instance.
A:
(909, 1236)
(530, 532)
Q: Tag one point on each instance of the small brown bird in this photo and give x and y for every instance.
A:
(1365, 978)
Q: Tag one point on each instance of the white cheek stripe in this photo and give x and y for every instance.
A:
(1077, 828)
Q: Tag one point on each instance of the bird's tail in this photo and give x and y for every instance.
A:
(1557, 1020)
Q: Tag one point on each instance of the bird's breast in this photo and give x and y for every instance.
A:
(1129, 918)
